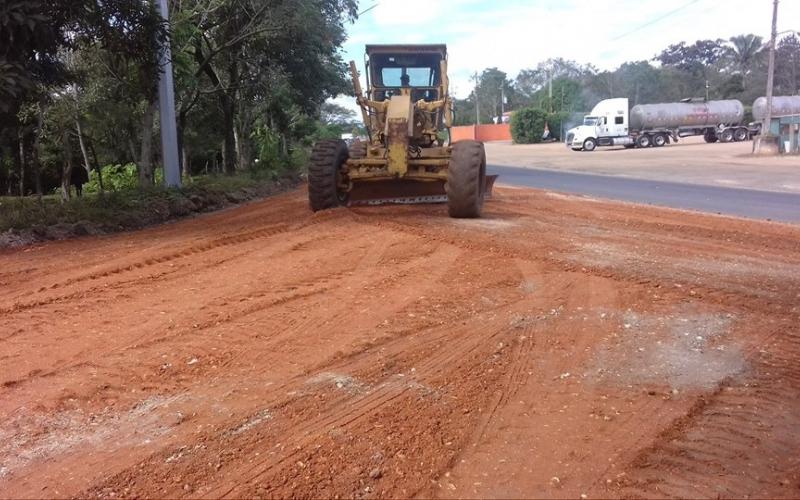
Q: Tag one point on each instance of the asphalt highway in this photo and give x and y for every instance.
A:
(763, 205)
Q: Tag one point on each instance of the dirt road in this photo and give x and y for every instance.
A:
(558, 347)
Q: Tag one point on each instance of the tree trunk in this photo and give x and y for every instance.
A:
(146, 151)
(37, 166)
(229, 151)
(185, 162)
(99, 169)
(84, 153)
(66, 173)
(21, 138)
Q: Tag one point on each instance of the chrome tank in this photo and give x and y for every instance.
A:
(686, 114)
(781, 106)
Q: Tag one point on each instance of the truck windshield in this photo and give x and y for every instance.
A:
(590, 121)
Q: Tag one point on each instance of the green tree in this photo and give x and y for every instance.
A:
(744, 52)
(527, 125)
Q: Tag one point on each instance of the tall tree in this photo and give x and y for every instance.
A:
(744, 51)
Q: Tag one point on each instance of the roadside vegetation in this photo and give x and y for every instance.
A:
(79, 91)
(565, 90)
(26, 220)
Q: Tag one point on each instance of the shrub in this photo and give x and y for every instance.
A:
(527, 125)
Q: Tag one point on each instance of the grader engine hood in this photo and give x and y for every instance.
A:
(399, 128)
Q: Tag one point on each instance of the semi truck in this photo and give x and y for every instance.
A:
(655, 125)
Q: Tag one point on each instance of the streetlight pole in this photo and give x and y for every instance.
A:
(166, 109)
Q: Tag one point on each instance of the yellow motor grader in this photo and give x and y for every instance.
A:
(406, 111)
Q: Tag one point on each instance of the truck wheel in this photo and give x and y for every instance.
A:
(740, 134)
(710, 137)
(726, 135)
(327, 157)
(466, 177)
(659, 140)
(589, 144)
(643, 141)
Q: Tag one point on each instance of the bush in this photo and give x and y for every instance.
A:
(527, 125)
(558, 121)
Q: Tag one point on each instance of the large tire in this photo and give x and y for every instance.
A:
(710, 137)
(659, 140)
(643, 141)
(726, 135)
(358, 150)
(589, 144)
(466, 178)
(327, 157)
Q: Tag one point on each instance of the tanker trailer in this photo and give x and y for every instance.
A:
(611, 124)
(786, 105)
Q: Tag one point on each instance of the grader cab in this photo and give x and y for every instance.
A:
(407, 158)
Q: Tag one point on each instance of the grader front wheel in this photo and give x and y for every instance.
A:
(327, 158)
(466, 179)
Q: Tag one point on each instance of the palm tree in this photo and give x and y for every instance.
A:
(744, 52)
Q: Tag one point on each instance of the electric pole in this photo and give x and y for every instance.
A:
(477, 102)
(166, 109)
(766, 124)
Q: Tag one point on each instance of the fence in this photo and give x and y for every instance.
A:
(484, 133)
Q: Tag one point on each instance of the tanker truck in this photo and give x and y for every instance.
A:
(787, 105)
(611, 124)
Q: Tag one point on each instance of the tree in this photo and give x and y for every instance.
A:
(787, 66)
(744, 51)
(527, 125)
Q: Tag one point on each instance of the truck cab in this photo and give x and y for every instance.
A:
(606, 125)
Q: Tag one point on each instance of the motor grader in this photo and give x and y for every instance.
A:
(408, 158)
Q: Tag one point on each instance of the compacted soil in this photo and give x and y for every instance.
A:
(558, 347)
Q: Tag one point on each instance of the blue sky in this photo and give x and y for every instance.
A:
(517, 34)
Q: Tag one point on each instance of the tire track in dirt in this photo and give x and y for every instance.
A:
(162, 258)
(740, 434)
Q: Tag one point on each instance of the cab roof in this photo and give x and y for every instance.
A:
(408, 49)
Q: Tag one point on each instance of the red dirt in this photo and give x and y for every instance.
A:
(555, 348)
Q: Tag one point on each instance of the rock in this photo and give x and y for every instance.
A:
(376, 473)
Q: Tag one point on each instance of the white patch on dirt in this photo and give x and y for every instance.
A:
(727, 182)
(253, 421)
(569, 197)
(28, 437)
(490, 224)
(684, 349)
(339, 380)
(793, 187)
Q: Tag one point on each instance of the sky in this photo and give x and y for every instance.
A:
(517, 34)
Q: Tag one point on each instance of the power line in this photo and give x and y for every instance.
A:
(654, 21)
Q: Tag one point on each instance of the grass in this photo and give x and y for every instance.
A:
(134, 208)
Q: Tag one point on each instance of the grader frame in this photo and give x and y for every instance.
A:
(405, 110)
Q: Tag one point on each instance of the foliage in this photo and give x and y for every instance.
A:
(527, 125)
(131, 208)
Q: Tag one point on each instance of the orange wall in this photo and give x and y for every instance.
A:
(483, 133)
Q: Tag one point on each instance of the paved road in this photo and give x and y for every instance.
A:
(784, 207)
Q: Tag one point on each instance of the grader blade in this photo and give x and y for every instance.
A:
(400, 192)
(405, 192)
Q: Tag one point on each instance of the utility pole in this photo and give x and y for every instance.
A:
(765, 125)
(502, 101)
(707, 87)
(166, 109)
(477, 102)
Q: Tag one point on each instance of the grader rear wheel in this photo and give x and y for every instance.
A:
(466, 180)
(327, 157)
